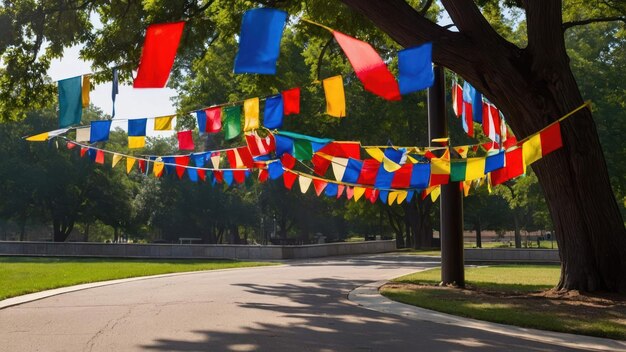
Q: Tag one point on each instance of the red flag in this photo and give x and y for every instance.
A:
(510, 141)
(368, 172)
(320, 165)
(368, 194)
(514, 167)
(99, 157)
(551, 139)
(213, 119)
(288, 161)
(457, 94)
(219, 176)
(232, 158)
(201, 174)
(291, 101)
(319, 186)
(486, 119)
(157, 55)
(246, 157)
(438, 179)
(83, 150)
(251, 141)
(402, 177)
(142, 165)
(374, 196)
(263, 175)
(369, 67)
(340, 189)
(289, 178)
(70, 145)
(348, 150)
(349, 192)
(469, 122)
(181, 162)
(239, 176)
(185, 140)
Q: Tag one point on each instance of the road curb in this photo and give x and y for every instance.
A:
(369, 297)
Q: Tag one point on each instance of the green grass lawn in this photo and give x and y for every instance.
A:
(22, 275)
(509, 294)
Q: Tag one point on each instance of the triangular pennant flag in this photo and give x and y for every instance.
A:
(288, 161)
(320, 164)
(85, 91)
(319, 186)
(259, 41)
(181, 163)
(349, 192)
(369, 67)
(163, 123)
(158, 54)
(201, 174)
(391, 198)
(185, 140)
(435, 194)
(340, 189)
(331, 190)
(335, 96)
(70, 101)
(239, 176)
(339, 167)
(83, 134)
(302, 149)
(232, 122)
(143, 166)
(291, 101)
(375, 153)
(275, 169)
(416, 68)
(42, 137)
(401, 196)
(129, 164)
(304, 183)
(263, 175)
(289, 178)
(192, 174)
(116, 159)
(251, 114)
(157, 168)
(83, 151)
(216, 157)
(358, 193)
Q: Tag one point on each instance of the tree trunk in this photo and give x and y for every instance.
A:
(477, 227)
(116, 235)
(61, 229)
(518, 233)
(86, 233)
(533, 87)
(22, 228)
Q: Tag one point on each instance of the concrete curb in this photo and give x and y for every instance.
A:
(368, 297)
(14, 301)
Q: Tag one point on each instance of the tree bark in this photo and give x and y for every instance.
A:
(518, 233)
(61, 229)
(533, 87)
(477, 227)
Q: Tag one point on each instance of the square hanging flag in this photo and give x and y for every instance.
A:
(368, 172)
(457, 99)
(532, 149)
(83, 134)
(514, 167)
(70, 101)
(551, 139)
(213, 119)
(185, 140)
(114, 89)
(475, 168)
(416, 68)
(302, 149)
(259, 41)
(232, 122)
(457, 170)
(273, 114)
(135, 142)
(473, 96)
(494, 162)
(163, 123)
(283, 145)
(420, 177)
(291, 101)
(369, 67)
(99, 131)
(402, 177)
(251, 114)
(85, 91)
(158, 54)
(353, 169)
(137, 127)
(335, 96)
(201, 118)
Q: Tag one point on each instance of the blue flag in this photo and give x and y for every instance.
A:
(70, 101)
(420, 176)
(383, 178)
(201, 116)
(259, 41)
(353, 170)
(416, 68)
(283, 145)
(494, 162)
(471, 95)
(383, 195)
(193, 174)
(137, 127)
(331, 189)
(228, 177)
(169, 161)
(99, 131)
(275, 170)
(273, 113)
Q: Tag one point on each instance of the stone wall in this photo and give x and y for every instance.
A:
(512, 255)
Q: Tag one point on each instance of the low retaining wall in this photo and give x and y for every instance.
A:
(213, 251)
(512, 255)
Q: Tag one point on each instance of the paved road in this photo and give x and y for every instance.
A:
(296, 307)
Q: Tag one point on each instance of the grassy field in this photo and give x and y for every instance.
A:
(22, 275)
(511, 294)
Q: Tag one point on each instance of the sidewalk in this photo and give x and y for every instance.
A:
(368, 297)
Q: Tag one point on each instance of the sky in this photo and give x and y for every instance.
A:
(129, 103)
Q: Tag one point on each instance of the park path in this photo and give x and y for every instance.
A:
(300, 306)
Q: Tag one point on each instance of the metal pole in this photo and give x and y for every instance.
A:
(451, 198)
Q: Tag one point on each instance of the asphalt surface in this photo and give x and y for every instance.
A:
(300, 306)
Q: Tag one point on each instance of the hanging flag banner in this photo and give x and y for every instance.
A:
(158, 54)
(114, 89)
(251, 114)
(273, 114)
(99, 131)
(70, 101)
(232, 122)
(457, 99)
(416, 68)
(163, 123)
(369, 67)
(83, 134)
(129, 164)
(137, 133)
(86, 88)
(213, 120)
(551, 139)
(185, 140)
(259, 41)
(116, 159)
(291, 101)
(335, 96)
(42, 137)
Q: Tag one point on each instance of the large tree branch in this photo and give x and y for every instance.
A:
(467, 17)
(571, 24)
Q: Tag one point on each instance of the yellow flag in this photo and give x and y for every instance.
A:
(466, 187)
(83, 134)
(462, 151)
(402, 196)
(215, 160)
(304, 183)
(375, 153)
(435, 193)
(251, 114)
(411, 159)
(42, 137)
(532, 149)
(135, 142)
(358, 193)
(163, 123)
(129, 164)
(158, 168)
(335, 96)
(116, 159)
(440, 166)
(85, 90)
(390, 166)
(475, 168)
(391, 198)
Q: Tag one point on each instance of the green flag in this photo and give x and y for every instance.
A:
(457, 170)
(302, 149)
(232, 122)
(70, 101)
